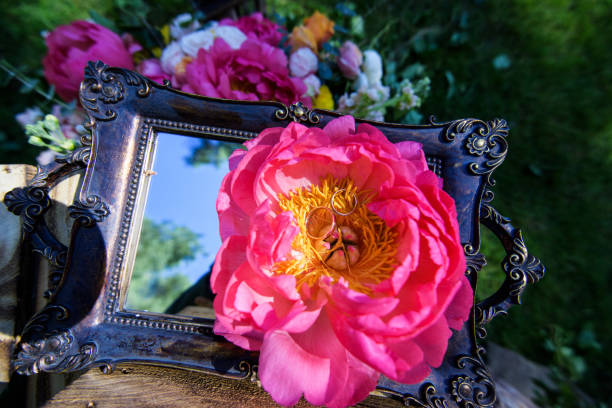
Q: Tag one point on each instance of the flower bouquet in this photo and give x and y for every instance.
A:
(316, 62)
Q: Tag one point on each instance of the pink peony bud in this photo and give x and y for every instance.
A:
(350, 60)
(71, 46)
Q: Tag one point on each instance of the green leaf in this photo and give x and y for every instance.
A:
(451, 84)
(346, 9)
(502, 61)
(103, 21)
(50, 94)
(412, 118)
(28, 86)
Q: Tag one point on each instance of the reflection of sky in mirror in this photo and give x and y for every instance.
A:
(186, 195)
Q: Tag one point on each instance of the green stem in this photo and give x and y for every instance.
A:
(381, 32)
(15, 73)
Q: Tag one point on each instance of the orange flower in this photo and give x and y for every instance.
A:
(301, 36)
(179, 69)
(321, 27)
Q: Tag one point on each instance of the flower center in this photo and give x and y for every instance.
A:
(339, 237)
(243, 86)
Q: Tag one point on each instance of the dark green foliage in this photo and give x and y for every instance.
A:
(546, 67)
(153, 285)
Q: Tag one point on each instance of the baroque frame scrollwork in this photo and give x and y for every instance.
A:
(126, 111)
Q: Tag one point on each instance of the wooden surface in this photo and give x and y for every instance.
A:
(12, 259)
(159, 387)
(11, 176)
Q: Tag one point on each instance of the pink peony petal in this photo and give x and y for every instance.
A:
(337, 340)
(306, 374)
(340, 127)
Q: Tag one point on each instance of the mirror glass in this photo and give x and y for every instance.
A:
(179, 237)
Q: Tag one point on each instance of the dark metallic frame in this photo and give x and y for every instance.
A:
(83, 325)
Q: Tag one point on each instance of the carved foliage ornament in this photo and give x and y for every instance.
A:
(297, 113)
(104, 86)
(520, 267)
(477, 391)
(487, 139)
(29, 202)
(89, 211)
(55, 353)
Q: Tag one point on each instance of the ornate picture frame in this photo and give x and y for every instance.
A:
(84, 325)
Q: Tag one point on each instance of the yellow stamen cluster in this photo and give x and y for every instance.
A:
(376, 242)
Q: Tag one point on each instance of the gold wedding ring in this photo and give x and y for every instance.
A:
(320, 222)
(331, 203)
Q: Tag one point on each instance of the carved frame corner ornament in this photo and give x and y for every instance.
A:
(103, 86)
(126, 110)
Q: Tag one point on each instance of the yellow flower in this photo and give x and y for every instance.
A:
(320, 26)
(324, 99)
(157, 52)
(302, 37)
(165, 32)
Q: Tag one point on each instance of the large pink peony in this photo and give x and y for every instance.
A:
(258, 27)
(71, 46)
(255, 71)
(340, 261)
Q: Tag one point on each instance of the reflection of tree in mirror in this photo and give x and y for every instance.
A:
(153, 285)
(212, 152)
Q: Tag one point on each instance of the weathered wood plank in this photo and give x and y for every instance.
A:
(157, 387)
(13, 267)
(11, 176)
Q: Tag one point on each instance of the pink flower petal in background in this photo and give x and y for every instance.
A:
(71, 46)
(255, 71)
(151, 68)
(256, 26)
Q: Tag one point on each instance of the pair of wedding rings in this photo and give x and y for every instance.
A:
(321, 221)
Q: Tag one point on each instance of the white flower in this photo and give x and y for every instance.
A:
(377, 115)
(372, 67)
(303, 62)
(378, 92)
(361, 82)
(346, 102)
(409, 99)
(171, 56)
(29, 116)
(191, 43)
(45, 157)
(182, 25)
(366, 102)
(313, 83)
